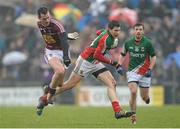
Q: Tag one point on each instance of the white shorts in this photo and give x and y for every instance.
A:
(144, 82)
(53, 53)
(84, 68)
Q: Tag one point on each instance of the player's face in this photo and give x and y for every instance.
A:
(138, 32)
(45, 19)
(115, 31)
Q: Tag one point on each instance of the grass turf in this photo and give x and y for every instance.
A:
(87, 117)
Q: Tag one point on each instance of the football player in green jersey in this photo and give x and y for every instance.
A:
(142, 59)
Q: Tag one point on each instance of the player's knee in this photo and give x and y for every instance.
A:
(133, 92)
(112, 84)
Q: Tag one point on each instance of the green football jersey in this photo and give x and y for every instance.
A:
(139, 54)
(102, 43)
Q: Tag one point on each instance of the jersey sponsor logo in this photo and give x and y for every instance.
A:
(137, 55)
(49, 39)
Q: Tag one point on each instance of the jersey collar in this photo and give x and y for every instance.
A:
(137, 43)
(110, 34)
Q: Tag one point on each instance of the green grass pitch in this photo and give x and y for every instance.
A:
(87, 117)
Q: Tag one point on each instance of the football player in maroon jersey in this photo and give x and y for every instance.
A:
(56, 50)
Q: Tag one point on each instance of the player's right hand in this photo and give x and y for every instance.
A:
(114, 63)
(67, 62)
(148, 73)
(118, 67)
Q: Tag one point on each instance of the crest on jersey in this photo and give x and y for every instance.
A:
(142, 49)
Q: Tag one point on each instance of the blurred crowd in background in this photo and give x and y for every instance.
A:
(21, 46)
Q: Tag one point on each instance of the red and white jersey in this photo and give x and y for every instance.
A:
(50, 34)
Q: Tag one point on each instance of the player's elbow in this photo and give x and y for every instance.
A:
(96, 56)
(98, 32)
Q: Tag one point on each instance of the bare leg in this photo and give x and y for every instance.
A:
(133, 89)
(58, 76)
(107, 78)
(69, 84)
(145, 94)
(132, 102)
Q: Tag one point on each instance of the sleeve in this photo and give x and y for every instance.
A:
(64, 44)
(59, 27)
(98, 32)
(98, 54)
(62, 37)
(151, 50)
(124, 49)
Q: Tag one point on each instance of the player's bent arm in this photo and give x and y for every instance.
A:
(98, 54)
(153, 62)
(64, 44)
(100, 57)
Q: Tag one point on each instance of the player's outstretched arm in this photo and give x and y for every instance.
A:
(65, 47)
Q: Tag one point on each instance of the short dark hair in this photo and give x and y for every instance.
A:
(42, 10)
(113, 24)
(138, 24)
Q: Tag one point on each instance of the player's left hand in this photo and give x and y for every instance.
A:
(148, 73)
(120, 69)
(73, 36)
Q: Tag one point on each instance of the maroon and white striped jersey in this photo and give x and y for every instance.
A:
(50, 34)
